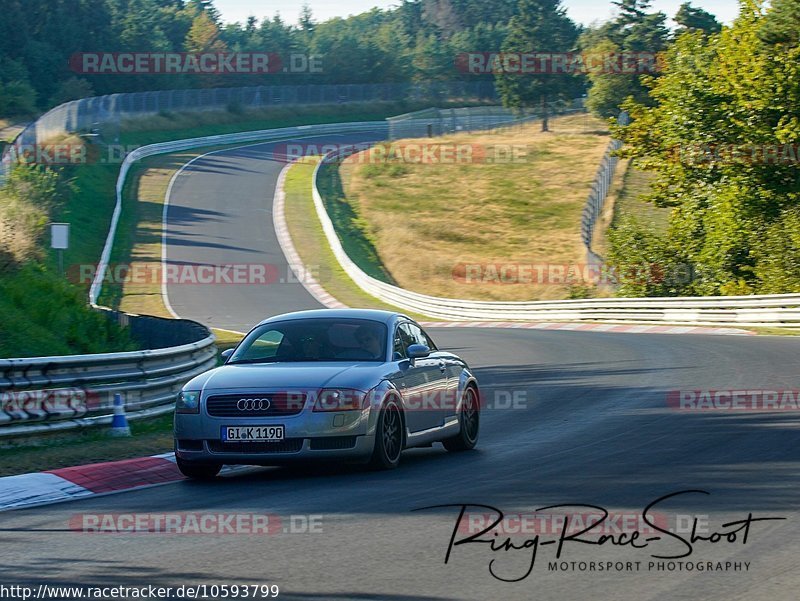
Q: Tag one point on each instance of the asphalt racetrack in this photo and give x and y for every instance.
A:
(577, 418)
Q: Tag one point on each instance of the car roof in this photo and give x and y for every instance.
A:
(386, 317)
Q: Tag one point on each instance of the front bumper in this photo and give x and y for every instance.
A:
(361, 449)
(309, 436)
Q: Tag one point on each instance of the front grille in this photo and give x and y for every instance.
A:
(280, 405)
(333, 443)
(290, 445)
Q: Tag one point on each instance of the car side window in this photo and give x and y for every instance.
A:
(419, 336)
(400, 347)
(404, 338)
(430, 343)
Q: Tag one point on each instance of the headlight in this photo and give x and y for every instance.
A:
(340, 400)
(188, 402)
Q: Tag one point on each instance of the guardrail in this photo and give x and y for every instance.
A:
(52, 394)
(266, 135)
(48, 394)
(439, 122)
(753, 311)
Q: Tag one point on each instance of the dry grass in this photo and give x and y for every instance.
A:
(10, 129)
(311, 244)
(428, 220)
(636, 183)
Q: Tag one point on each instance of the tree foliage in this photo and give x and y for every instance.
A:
(541, 26)
(721, 139)
(415, 41)
(634, 30)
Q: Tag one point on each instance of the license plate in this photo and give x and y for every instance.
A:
(253, 433)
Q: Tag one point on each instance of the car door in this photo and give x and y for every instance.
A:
(433, 397)
(421, 384)
(451, 368)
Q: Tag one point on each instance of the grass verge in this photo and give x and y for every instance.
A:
(41, 312)
(635, 185)
(312, 245)
(419, 216)
(175, 126)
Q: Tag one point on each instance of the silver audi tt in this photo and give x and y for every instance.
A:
(344, 384)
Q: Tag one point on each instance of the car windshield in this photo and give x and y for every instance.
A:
(305, 340)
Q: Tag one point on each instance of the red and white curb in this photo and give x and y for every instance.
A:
(287, 245)
(80, 482)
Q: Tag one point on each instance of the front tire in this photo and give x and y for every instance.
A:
(198, 471)
(388, 438)
(469, 418)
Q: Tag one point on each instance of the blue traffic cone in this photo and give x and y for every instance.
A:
(119, 425)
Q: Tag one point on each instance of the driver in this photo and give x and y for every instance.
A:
(368, 341)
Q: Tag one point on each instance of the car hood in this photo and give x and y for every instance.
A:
(360, 376)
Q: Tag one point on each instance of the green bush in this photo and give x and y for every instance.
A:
(41, 315)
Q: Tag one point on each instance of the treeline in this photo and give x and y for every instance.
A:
(411, 43)
(720, 132)
(418, 41)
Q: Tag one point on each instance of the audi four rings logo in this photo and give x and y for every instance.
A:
(253, 404)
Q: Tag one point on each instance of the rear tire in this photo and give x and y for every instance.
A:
(469, 418)
(198, 471)
(388, 438)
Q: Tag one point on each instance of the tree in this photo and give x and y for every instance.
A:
(73, 88)
(307, 23)
(443, 15)
(781, 25)
(477, 12)
(690, 18)
(634, 31)
(431, 60)
(721, 141)
(17, 98)
(609, 90)
(482, 36)
(631, 11)
(204, 35)
(540, 26)
(206, 7)
(39, 37)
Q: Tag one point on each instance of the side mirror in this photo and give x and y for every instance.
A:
(418, 351)
(226, 354)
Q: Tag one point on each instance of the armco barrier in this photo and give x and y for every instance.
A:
(287, 133)
(599, 193)
(51, 394)
(770, 310)
(57, 393)
(48, 394)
